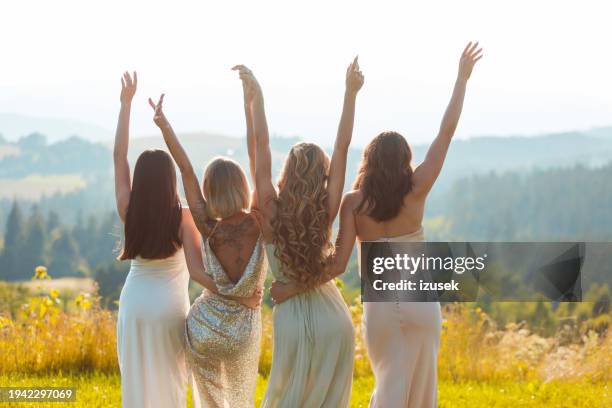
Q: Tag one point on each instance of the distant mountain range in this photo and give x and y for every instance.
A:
(13, 126)
(40, 155)
(75, 174)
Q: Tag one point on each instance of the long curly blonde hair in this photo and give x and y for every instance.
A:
(301, 226)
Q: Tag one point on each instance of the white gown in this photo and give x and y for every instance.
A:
(402, 339)
(152, 309)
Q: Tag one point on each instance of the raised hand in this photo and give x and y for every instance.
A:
(159, 118)
(250, 86)
(471, 54)
(128, 87)
(354, 77)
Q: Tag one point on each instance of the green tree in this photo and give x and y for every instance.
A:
(35, 242)
(11, 267)
(53, 221)
(66, 260)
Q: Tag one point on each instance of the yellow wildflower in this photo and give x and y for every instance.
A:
(83, 301)
(40, 273)
(54, 293)
(4, 322)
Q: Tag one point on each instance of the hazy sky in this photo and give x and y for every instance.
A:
(547, 64)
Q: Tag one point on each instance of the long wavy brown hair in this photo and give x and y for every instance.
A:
(384, 176)
(153, 216)
(301, 226)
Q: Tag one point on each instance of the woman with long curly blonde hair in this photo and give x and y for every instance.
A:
(312, 360)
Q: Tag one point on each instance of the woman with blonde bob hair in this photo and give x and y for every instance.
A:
(223, 328)
(226, 188)
(312, 358)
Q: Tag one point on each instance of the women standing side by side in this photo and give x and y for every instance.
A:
(222, 333)
(388, 204)
(312, 359)
(161, 241)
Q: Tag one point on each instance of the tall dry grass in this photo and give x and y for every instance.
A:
(48, 336)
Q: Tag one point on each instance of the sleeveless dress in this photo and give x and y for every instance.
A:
(152, 310)
(223, 336)
(402, 340)
(312, 358)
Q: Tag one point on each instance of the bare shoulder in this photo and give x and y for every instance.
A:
(197, 220)
(420, 186)
(186, 217)
(351, 200)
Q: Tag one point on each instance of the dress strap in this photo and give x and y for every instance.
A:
(256, 215)
(212, 231)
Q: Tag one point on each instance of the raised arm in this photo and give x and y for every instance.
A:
(427, 172)
(247, 99)
(264, 188)
(193, 193)
(123, 185)
(337, 167)
(248, 115)
(345, 241)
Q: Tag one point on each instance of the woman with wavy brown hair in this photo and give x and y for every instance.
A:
(387, 204)
(312, 360)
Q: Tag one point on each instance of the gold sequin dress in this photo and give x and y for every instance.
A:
(223, 336)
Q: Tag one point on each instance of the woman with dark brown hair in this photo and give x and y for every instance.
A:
(312, 359)
(163, 245)
(388, 205)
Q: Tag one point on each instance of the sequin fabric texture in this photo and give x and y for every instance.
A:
(223, 336)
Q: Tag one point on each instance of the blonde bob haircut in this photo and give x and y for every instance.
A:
(225, 188)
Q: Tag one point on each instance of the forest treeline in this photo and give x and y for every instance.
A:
(32, 239)
(549, 188)
(90, 161)
(555, 205)
(572, 204)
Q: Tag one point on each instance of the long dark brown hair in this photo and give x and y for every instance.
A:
(384, 176)
(154, 213)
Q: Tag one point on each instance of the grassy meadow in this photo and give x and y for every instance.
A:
(51, 339)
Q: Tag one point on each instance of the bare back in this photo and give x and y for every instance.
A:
(233, 241)
(409, 219)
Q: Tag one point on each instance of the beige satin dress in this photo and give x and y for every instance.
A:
(402, 339)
